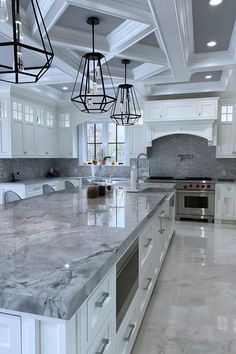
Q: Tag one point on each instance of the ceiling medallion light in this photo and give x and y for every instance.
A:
(89, 93)
(20, 61)
(215, 2)
(125, 110)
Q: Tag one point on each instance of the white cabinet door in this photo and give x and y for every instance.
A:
(28, 139)
(10, 334)
(65, 142)
(229, 202)
(180, 109)
(138, 140)
(226, 140)
(17, 139)
(50, 142)
(207, 109)
(152, 111)
(40, 141)
(218, 201)
(5, 130)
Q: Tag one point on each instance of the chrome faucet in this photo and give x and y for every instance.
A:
(137, 165)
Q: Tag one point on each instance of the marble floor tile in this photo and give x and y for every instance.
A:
(193, 307)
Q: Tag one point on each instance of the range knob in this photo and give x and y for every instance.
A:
(197, 185)
(208, 186)
(190, 186)
(203, 186)
(185, 187)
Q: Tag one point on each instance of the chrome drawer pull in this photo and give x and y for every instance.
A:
(161, 229)
(148, 284)
(104, 297)
(149, 240)
(131, 328)
(105, 343)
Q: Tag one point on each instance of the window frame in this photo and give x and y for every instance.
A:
(105, 141)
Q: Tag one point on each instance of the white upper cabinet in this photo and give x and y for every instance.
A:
(5, 138)
(65, 146)
(186, 109)
(138, 136)
(226, 139)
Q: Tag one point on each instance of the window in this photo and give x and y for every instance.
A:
(64, 120)
(29, 114)
(94, 141)
(227, 113)
(105, 139)
(116, 142)
(40, 117)
(17, 111)
(50, 120)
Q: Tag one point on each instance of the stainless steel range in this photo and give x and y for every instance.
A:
(195, 199)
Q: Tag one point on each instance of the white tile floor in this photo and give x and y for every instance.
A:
(193, 307)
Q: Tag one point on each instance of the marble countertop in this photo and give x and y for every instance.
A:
(55, 249)
(38, 180)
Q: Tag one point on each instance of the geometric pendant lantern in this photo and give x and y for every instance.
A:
(21, 60)
(125, 110)
(89, 93)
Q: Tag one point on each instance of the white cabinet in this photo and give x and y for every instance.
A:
(226, 139)
(5, 138)
(10, 334)
(104, 341)
(153, 111)
(137, 140)
(225, 197)
(186, 109)
(180, 109)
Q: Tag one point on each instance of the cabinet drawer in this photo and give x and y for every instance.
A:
(57, 185)
(145, 244)
(146, 284)
(128, 330)
(103, 343)
(33, 190)
(100, 303)
(10, 334)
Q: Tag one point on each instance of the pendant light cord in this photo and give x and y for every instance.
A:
(93, 35)
(125, 72)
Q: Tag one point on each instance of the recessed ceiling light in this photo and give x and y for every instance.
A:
(211, 43)
(215, 2)
(65, 88)
(208, 77)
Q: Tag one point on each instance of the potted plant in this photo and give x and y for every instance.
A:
(95, 161)
(104, 160)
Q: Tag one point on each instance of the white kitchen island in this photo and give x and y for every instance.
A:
(59, 256)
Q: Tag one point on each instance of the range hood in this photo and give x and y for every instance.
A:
(205, 128)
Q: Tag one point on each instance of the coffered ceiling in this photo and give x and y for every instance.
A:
(166, 41)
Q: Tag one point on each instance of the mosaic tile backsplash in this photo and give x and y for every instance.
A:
(198, 160)
(182, 155)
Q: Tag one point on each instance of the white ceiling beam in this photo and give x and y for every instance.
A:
(77, 40)
(147, 70)
(167, 21)
(116, 8)
(51, 12)
(211, 61)
(145, 53)
(126, 35)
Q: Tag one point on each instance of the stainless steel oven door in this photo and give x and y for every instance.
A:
(196, 203)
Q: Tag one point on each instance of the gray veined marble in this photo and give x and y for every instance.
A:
(54, 250)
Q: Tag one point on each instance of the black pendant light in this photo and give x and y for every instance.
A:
(20, 60)
(125, 110)
(86, 94)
